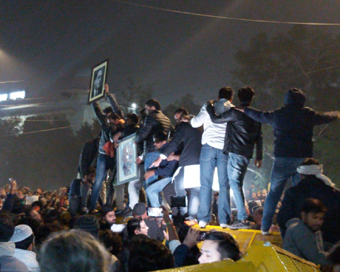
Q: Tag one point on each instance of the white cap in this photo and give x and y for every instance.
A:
(21, 232)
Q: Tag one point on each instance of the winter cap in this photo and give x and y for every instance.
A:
(88, 223)
(21, 232)
(139, 209)
(295, 97)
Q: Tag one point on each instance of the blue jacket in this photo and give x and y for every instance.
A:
(293, 126)
(166, 168)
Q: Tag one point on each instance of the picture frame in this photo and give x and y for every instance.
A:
(126, 155)
(98, 81)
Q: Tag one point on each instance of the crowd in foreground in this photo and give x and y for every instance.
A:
(44, 236)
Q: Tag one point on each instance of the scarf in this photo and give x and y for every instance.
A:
(317, 171)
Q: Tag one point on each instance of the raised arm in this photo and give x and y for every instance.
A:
(222, 118)
(260, 116)
(200, 118)
(326, 117)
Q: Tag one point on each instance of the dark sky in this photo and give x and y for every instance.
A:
(46, 43)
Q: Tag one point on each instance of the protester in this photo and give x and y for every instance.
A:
(212, 156)
(313, 185)
(293, 130)
(219, 246)
(7, 261)
(303, 237)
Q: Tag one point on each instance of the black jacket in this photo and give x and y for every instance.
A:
(242, 132)
(312, 187)
(155, 122)
(293, 128)
(88, 156)
(191, 138)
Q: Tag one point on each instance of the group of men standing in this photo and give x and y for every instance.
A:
(229, 136)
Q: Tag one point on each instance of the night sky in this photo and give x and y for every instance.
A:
(47, 43)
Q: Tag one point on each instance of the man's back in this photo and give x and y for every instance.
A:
(242, 132)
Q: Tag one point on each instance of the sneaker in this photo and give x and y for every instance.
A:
(202, 224)
(223, 225)
(239, 225)
(265, 232)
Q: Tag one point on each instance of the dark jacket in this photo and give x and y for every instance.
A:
(107, 129)
(312, 187)
(293, 127)
(242, 132)
(191, 138)
(155, 122)
(166, 168)
(88, 156)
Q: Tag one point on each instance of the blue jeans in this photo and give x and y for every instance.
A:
(283, 169)
(148, 160)
(192, 194)
(210, 158)
(153, 190)
(237, 168)
(104, 163)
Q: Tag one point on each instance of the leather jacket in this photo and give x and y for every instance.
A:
(242, 132)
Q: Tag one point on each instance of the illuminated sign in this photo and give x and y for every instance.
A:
(17, 95)
(3, 97)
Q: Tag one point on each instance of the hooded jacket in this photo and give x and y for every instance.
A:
(7, 261)
(293, 125)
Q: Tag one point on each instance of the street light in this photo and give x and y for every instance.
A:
(134, 106)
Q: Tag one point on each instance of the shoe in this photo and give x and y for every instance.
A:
(223, 225)
(84, 211)
(239, 225)
(265, 232)
(202, 224)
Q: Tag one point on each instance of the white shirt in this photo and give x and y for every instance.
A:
(29, 258)
(213, 134)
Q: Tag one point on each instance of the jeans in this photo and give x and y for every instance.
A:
(283, 169)
(153, 190)
(104, 163)
(149, 159)
(210, 158)
(193, 195)
(237, 168)
(135, 187)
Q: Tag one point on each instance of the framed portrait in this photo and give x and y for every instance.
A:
(98, 80)
(127, 169)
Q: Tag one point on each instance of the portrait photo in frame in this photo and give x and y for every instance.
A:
(98, 80)
(127, 169)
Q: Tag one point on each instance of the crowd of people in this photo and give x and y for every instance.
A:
(190, 174)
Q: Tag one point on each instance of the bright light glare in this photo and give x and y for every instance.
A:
(17, 95)
(134, 105)
(3, 97)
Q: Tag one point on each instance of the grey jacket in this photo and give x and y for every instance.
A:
(305, 243)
